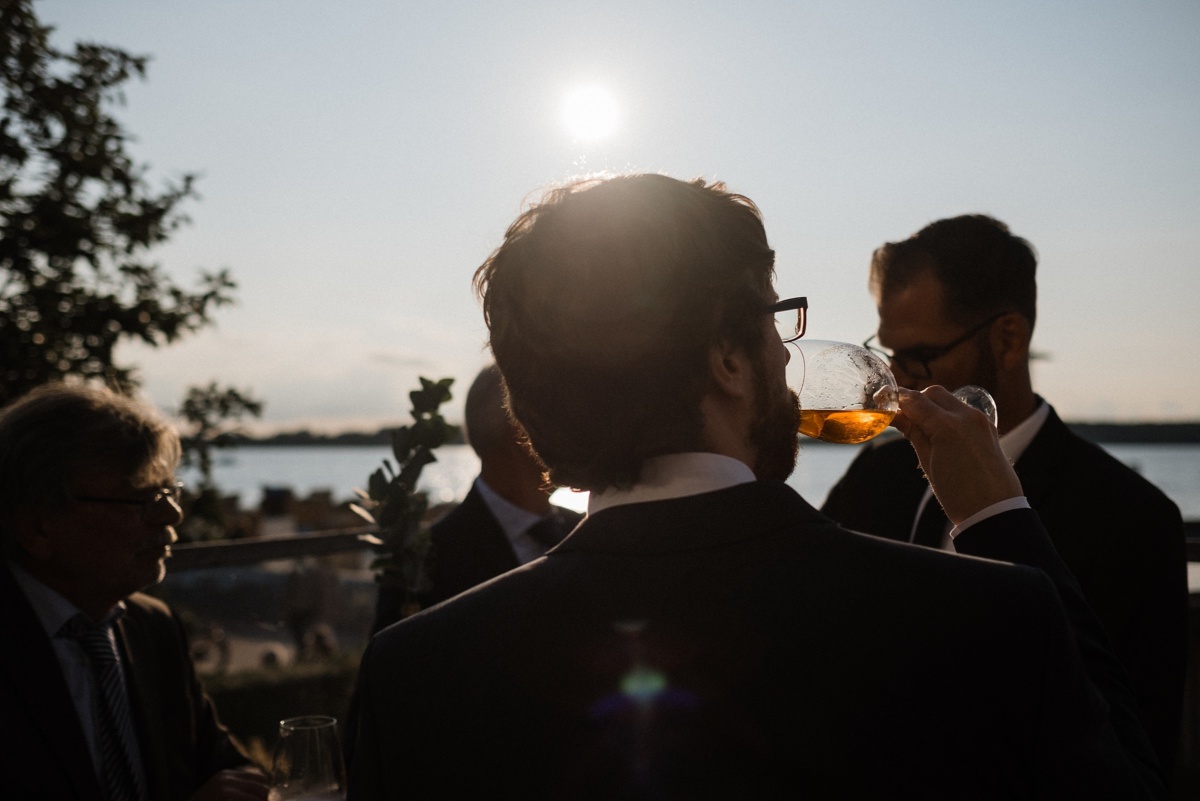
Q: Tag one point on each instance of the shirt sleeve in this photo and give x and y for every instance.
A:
(1020, 502)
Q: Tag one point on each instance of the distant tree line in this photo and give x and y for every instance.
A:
(1138, 433)
(381, 437)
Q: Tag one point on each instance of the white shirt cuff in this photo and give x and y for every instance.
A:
(1019, 502)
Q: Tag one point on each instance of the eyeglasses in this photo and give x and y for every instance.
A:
(915, 361)
(172, 492)
(790, 329)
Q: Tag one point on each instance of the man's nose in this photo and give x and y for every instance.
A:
(165, 511)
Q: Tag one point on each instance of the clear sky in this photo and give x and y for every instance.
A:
(359, 160)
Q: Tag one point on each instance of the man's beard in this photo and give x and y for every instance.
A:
(774, 434)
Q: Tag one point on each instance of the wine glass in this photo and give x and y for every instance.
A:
(308, 765)
(847, 393)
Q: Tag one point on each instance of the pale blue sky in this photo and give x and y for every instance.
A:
(360, 159)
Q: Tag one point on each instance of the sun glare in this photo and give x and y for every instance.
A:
(590, 112)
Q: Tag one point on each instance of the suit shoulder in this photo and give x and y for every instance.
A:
(1105, 476)
(461, 520)
(148, 607)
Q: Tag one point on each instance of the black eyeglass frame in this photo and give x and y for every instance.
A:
(798, 305)
(908, 358)
(173, 491)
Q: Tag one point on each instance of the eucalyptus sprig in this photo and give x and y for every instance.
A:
(392, 497)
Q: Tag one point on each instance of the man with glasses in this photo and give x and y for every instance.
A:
(957, 305)
(98, 695)
(704, 632)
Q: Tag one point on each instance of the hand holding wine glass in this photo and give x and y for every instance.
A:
(959, 452)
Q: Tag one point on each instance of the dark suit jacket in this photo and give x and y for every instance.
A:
(738, 644)
(470, 547)
(43, 754)
(1120, 536)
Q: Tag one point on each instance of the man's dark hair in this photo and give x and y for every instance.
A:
(603, 304)
(46, 434)
(984, 268)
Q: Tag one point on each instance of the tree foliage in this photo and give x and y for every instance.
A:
(211, 415)
(77, 218)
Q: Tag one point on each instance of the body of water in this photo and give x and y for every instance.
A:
(245, 471)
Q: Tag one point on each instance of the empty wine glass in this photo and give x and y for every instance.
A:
(979, 398)
(308, 765)
(847, 393)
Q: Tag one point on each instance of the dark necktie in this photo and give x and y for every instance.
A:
(931, 527)
(115, 721)
(547, 532)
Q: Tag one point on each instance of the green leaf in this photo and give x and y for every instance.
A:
(403, 440)
(377, 485)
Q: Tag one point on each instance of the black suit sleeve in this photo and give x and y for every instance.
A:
(1018, 536)
(1123, 540)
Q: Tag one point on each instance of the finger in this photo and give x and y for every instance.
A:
(928, 403)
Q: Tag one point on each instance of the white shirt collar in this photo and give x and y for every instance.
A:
(1013, 444)
(676, 475)
(1017, 440)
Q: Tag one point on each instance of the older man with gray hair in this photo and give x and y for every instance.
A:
(97, 689)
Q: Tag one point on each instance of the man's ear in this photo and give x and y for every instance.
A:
(32, 536)
(732, 371)
(1010, 340)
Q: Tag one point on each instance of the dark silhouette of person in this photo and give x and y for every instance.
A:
(506, 519)
(957, 305)
(705, 632)
(98, 694)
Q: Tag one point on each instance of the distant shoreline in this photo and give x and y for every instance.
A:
(1110, 433)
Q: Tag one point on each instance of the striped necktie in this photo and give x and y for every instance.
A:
(116, 737)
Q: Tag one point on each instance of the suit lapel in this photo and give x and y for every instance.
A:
(1038, 465)
(31, 667)
(143, 694)
(494, 549)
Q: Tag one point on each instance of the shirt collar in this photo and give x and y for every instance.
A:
(512, 518)
(52, 609)
(1018, 438)
(676, 475)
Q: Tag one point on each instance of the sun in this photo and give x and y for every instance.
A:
(590, 112)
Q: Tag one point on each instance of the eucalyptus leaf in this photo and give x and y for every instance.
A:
(401, 507)
(403, 440)
(377, 485)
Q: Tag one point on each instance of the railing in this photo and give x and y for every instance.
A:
(226, 553)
